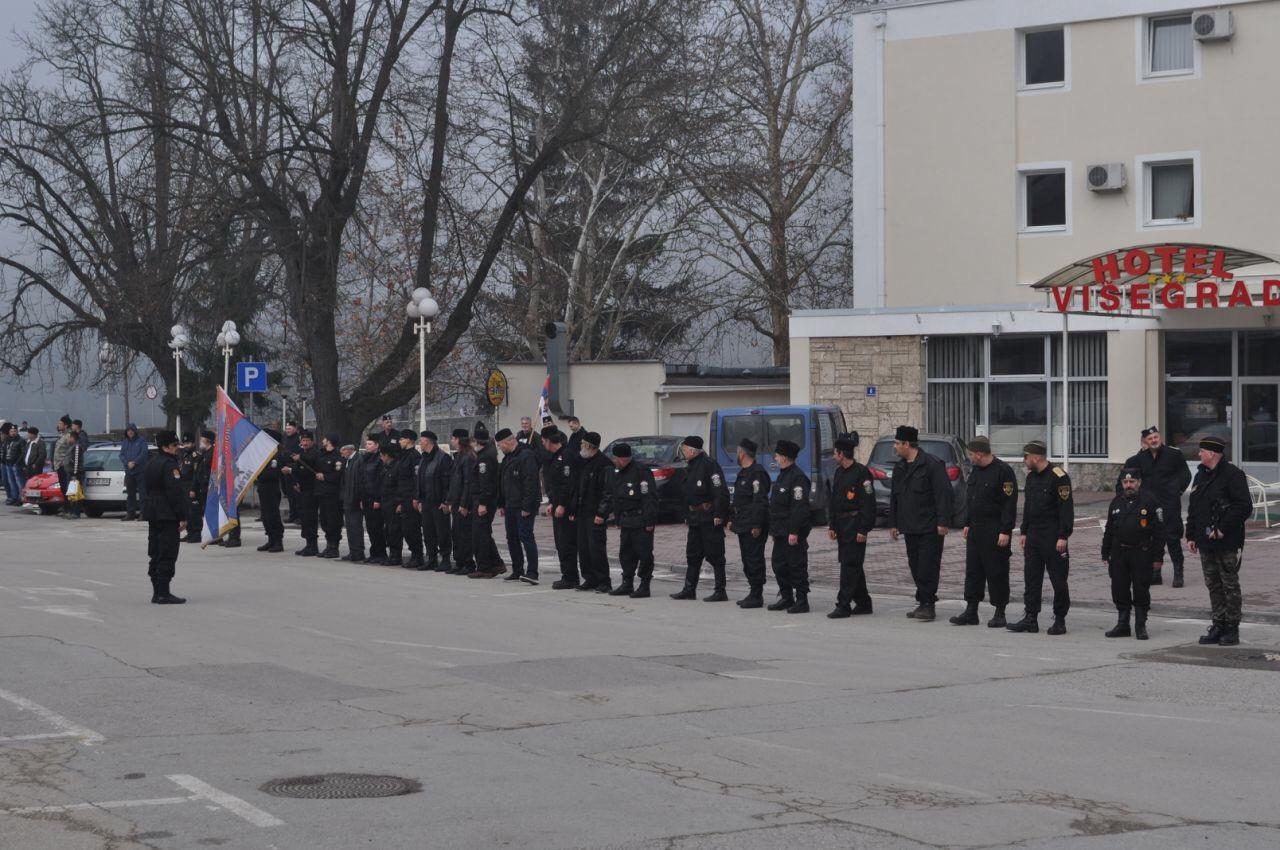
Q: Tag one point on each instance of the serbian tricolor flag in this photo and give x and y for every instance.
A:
(544, 402)
(241, 450)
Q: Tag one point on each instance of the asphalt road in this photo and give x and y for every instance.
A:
(534, 718)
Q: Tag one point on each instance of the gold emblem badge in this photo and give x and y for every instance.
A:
(1008, 488)
(1064, 492)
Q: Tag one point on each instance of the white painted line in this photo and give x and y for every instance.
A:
(109, 804)
(102, 583)
(62, 591)
(1120, 713)
(786, 626)
(771, 679)
(68, 728)
(49, 572)
(449, 648)
(40, 736)
(78, 612)
(1188, 620)
(235, 805)
(319, 633)
(1026, 657)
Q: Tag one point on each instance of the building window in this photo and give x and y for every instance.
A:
(1198, 389)
(1044, 59)
(1170, 48)
(1170, 190)
(1005, 387)
(1044, 198)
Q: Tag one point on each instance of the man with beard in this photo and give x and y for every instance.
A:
(1164, 475)
(706, 503)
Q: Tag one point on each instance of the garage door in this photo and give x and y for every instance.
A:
(684, 424)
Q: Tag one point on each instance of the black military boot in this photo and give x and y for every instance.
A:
(1177, 575)
(801, 605)
(393, 561)
(265, 547)
(717, 595)
(1121, 628)
(754, 599)
(997, 620)
(1156, 578)
(414, 562)
(860, 609)
(155, 591)
(784, 601)
(1214, 635)
(1140, 623)
(969, 617)
(308, 551)
(329, 552)
(689, 591)
(641, 592)
(1059, 626)
(276, 545)
(1029, 623)
(446, 566)
(925, 613)
(1230, 636)
(431, 566)
(840, 612)
(625, 588)
(564, 584)
(164, 597)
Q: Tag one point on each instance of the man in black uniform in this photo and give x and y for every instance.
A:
(387, 501)
(635, 509)
(484, 492)
(992, 498)
(1048, 517)
(1220, 505)
(433, 487)
(591, 512)
(852, 505)
(202, 470)
(188, 460)
(561, 476)
(290, 446)
(1132, 545)
(789, 525)
(268, 485)
(521, 495)
(370, 487)
(751, 520)
(165, 511)
(352, 492)
(328, 492)
(576, 433)
(706, 503)
(410, 518)
(458, 499)
(300, 473)
(1164, 477)
(920, 510)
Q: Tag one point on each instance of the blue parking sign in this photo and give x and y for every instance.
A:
(251, 377)
(871, 392)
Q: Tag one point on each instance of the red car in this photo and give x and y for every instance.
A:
(44, 492)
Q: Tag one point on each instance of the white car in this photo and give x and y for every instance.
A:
(103, 479)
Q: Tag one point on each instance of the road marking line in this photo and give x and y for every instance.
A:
(49, 572)
(449, 648)
(1027, 657)
(62, 591)
(1120, 713)
(238, 807)
(770, 679)
(67, 727)
(319, 633)
(102, 583)
(109, 804)
(786, 626)
(67, 611)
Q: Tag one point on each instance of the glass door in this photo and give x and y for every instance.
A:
(1259, 429)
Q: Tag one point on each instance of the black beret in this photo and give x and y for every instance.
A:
(1149, 430)
(980, 444)
(164, 438)
(1036, 447)
(503, 433)
(334, 438)
(388, 448)
(749, 446)
(1213, 444)
(208, 435)
(786, 448)
(408, 434)
(461, 434)
(430, 435)
(847, 443)
(621, 450)
(907, 434)
(480, 433)
(591, 438)
(552, 433)
(693, 441)
(1131, 473)
(188, 438)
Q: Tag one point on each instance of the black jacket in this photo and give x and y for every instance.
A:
(433, 477)
(11, 451)
(1134, 523)
(789, 504)
(406, 476)
(992, 497)
(920, 496)
(329, 466)
(635, 496)
(464, 466)
(519, 480)
(751, 499)
(202, 460)
(33, 457)
(1219, 499)
(369, 488)
(302, 476)
(594, 485)
(166, 492)
(1164, 477)
(1048, 506)
(705, 494)
(561, 475)
(852, 500)
(485, 482)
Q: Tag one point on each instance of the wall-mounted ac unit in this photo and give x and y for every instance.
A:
(1212, 24)
(1105, 177)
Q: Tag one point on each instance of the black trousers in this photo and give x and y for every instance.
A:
(1173, 533)
(1130, 571)
(1041, 556)
(411, 528)
(752, 549)
(924, 557)
(853, 556)
(195, 515)
(521, 544)
(353, 519)
(307, 512)
(391, 530)
(635, 553)
(63, 483)
(374, 525)
(705, 541)
(460, 528)
(435, 534)
(135, 494)
(163, 539)
(986, 565)
(791, 565)
(592, 554)
(330, 510)
(269, 508)
(483, 549)
(292, 497)
(565, 532)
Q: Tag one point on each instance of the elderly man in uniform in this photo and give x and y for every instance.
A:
(992, 500)
(561, 476)
(352, 488)
(1048, 518)
(635, 508)
(485, 492)
(1220, 505)
(789, 524)
(751, 520)
(706, 499)
(433, 489)
(1133, 543)
(852, 505)
(328, 490)
(457, 500)
(521, 495)
(1164, 476)
(591, 513)
(920, 510)
(300, 471)
(165, 511)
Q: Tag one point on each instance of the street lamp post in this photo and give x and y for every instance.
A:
(228, 339)
(422, 308)
(104, 358)
(179, 339)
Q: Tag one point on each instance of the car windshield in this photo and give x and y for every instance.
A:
(651, 450)
(884, 456)
(103, 460)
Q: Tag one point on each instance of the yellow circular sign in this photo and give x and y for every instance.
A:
(495, 387)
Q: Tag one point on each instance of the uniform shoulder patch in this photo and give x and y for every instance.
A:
(868, 486)
(482, 467)
(755, 486)
(715, 480)
(566, 470)
(798, 492)
(338, 465)
(644, 487)
(1059, 471)
(1008, 488)
(1064, 492)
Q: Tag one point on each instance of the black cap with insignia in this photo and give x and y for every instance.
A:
(749, 446)
(787, 449)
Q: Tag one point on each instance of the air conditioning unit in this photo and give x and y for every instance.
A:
(1106, 177)
(1212, 25)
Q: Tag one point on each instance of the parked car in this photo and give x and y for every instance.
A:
(103, 479)
(662, 453)
(947, 449)
(44, 492)
(812, 428)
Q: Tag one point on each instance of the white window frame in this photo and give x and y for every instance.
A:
(1142, 174)
(1027, 169)
(1041, 88)
(1143, 52)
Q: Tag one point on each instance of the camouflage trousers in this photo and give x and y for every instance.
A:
(1222, 577)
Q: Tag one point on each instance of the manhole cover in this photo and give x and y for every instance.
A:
(1250, 658)
(341, 786)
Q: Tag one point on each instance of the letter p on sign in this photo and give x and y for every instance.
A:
(251, 377)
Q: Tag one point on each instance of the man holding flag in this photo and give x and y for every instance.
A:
(241, 451)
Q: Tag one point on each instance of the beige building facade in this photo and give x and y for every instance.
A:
(1000, 148)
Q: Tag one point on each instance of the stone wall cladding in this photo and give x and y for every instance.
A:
(841, 369)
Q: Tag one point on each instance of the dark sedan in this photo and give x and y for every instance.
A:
(662, 453)
(947, 449)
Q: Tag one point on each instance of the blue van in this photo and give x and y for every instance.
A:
(812, 428)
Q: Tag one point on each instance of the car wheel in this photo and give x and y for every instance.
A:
(94, 511)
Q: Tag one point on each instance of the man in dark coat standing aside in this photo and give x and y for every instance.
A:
(1220, 505)
(920, 510)
(561, 476)
(1164, 475)
(166, 514)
